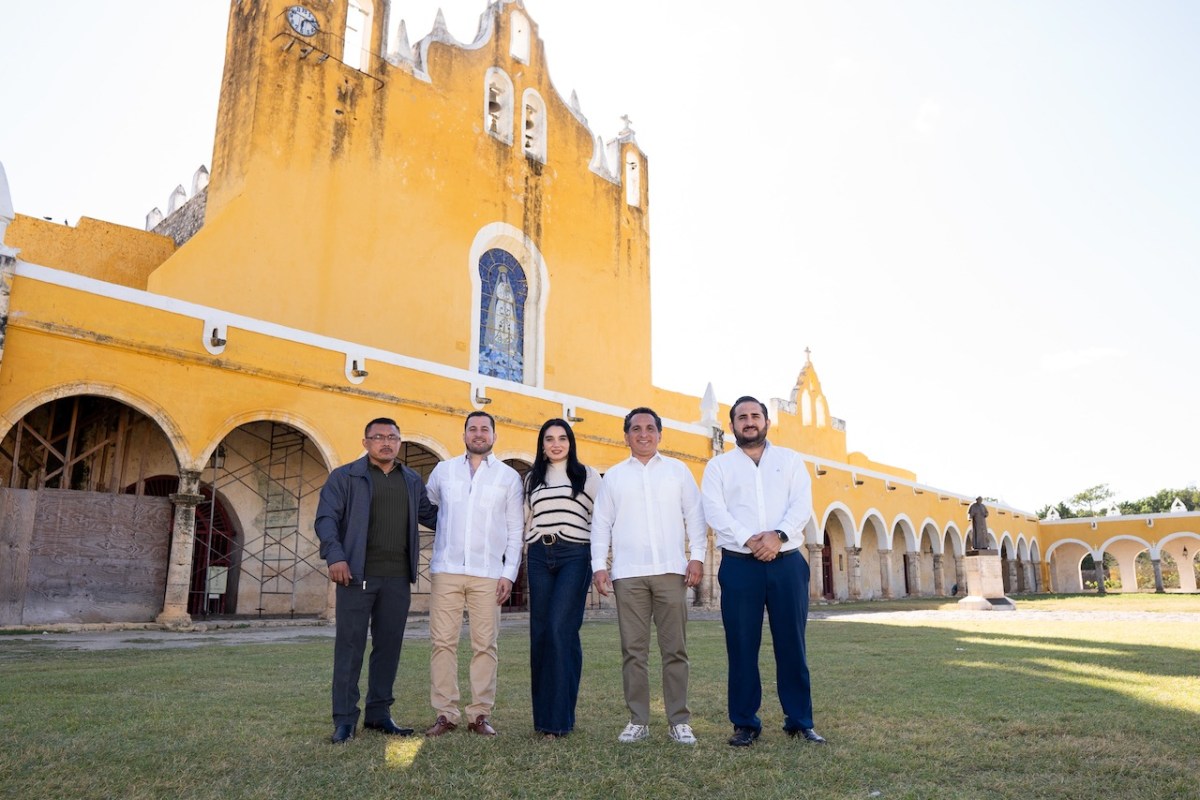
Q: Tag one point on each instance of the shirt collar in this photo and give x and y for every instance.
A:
(658, 456)
(766, 449)
(489, 459)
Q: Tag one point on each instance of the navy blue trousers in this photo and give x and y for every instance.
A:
(780, 587)
(383, 607)
(559, 576)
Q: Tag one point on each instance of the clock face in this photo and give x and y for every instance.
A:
(302, 20)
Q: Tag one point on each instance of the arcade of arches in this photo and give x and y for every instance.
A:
(92, 494)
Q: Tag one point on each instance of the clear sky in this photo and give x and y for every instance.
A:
(983, 217)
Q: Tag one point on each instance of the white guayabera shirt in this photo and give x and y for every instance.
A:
(480, 518)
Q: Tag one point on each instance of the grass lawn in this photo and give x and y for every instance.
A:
(1113, 602)
(988, 708)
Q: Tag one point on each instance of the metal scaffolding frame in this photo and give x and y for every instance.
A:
(278, 556)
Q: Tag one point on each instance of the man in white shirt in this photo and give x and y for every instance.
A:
(757, 499)
(648, 505)
(476, 552)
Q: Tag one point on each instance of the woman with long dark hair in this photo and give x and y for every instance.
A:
(559, 492)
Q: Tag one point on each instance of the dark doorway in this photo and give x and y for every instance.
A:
(827, 569)
(214, 575)
(519, 599)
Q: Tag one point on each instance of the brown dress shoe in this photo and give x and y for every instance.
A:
(481, 726)
(441, 727)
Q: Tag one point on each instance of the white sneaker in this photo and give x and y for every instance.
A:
(682, 733)
(635, 733)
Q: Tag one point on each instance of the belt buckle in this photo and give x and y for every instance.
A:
(549, 538)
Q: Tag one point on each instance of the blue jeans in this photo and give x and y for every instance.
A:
(559, 576)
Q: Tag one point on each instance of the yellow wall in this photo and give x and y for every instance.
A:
(154, 360)
(93, 248)
(346, 203)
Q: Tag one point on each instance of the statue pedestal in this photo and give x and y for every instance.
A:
(985, 584)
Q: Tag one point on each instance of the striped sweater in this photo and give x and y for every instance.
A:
(551, 509)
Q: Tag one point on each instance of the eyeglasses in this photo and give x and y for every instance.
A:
(380, 437)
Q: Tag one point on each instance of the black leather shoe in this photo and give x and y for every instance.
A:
(389, 727)
(342, 734)
(743, 737)
(808, 734)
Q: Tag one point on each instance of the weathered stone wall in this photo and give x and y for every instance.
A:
(186, 220)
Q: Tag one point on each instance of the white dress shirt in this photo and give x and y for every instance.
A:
(742, 498)
(480, 518)
(646, 512)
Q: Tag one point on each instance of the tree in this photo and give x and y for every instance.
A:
(1064, 512)
(1160, 502)
(1095, 501)
(1089, 499)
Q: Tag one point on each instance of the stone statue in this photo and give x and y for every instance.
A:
(978, 514)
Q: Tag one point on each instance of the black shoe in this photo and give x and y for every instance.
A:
(342, 734)
(388, 727)
(807, 733)
(743, 737)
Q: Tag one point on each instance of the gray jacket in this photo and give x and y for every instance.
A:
(344, 513)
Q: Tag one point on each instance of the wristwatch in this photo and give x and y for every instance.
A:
(783, 537)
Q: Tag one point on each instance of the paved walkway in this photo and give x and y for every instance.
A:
(229, 632)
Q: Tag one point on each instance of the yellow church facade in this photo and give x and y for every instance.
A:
(389, 229)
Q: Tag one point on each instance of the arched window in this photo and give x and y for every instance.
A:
(509, 285)
(498, 104)
(806, 409)
(518, 40)
(533, 125)
(822, 420)
(357, 52)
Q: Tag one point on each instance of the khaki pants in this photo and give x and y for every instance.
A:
(663, 600)
(450, 595)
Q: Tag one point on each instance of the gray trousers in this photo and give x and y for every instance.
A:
(382, 607)
(663, 600)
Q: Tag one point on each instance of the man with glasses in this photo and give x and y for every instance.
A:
(481, 519)
(367, 521)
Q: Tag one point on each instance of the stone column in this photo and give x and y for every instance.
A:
(329, 614)
(939, 580)
(1018, 581)
(183, 537)
(816, 581)
(1158, 581)
(885, 574)
(1099, 564)
(960, 576)
(1010, 571)
(912, 572)
(854, 572)
(1031, 576)
(712, 568)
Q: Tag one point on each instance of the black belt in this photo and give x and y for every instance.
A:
(735, 554)
(549, 539)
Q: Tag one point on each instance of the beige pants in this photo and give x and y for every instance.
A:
(663, 600)
(450, 595)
